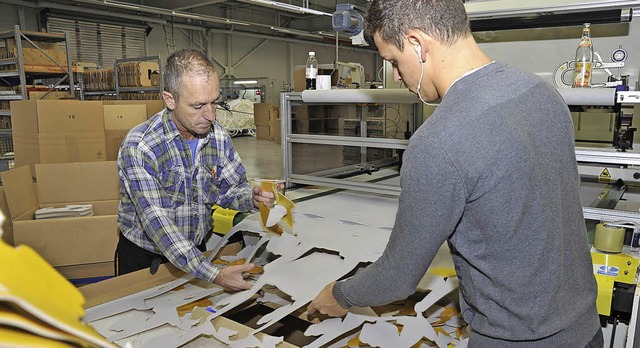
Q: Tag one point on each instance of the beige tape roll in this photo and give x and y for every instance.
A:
(609, 239)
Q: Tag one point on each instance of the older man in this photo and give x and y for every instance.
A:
(173, 169)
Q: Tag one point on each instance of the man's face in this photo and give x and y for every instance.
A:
(195, 110)
(406, 65)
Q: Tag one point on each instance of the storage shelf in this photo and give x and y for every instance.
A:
(34, 35)
(5, 112)
(99, 92)
(10, 97)
(8, 61)
(9, 73)
(139, 89)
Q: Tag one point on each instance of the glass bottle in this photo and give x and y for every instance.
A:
(584, 59)
(311, 71)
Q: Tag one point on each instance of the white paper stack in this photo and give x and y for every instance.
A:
(71, 210)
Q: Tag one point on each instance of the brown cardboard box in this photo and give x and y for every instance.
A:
(262, 132)
(118, 120)
(57, 131)
(53, 95)
(34, 56)
(263, 113)
(153, 106)
(275, 134)
(66, 241)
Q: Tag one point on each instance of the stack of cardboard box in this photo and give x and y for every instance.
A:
(267, 120)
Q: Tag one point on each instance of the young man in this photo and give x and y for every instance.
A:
(493, 172)
(173, 169)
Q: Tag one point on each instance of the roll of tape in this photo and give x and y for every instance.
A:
(609, 239)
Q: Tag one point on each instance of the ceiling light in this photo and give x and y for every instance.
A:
(245, 82)
(288, 7)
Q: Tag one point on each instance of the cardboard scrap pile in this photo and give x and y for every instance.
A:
(171, 309)
(99, 80)
(138, 74)
(38, 307)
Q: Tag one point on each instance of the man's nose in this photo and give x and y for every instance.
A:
(209, 112)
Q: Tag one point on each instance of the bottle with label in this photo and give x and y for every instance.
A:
(312, 70)
(584, 59)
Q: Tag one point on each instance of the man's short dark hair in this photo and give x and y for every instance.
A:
(184, 63)
(444, 20)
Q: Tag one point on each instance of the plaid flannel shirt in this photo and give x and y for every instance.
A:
(166, 198)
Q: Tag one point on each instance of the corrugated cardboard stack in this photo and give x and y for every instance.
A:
(99, 80)
(139, 74)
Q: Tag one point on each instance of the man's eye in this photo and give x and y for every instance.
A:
(198, 107)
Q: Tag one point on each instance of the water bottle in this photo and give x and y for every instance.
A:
(311, 71)
(584, 59)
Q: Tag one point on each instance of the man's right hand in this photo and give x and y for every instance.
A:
(231, 278)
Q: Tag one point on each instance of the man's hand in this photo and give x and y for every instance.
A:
(231, 278)
(325, 303)
(266, 197)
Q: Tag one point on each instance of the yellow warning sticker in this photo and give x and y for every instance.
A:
(605, 175)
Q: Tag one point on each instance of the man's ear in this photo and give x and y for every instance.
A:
(169, 101)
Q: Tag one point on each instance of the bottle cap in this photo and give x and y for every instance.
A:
(312, 53)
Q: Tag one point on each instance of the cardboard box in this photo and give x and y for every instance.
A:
(34, 56)
(275, 134)
(53, 95)
(153, 106)
(57, 131)
(263, 113)
(262, 132)
(66, 241)
(118, 120)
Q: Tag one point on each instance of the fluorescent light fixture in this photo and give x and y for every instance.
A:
(296, 32)
(288, 7)
(245, 82)
(510, 8)
(121, 4)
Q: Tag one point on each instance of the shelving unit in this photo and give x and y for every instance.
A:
(118, 89)
(16, 71)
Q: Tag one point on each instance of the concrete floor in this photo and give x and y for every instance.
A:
(261, 158)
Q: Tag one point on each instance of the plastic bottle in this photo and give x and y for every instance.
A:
(584, 59)
(312, 70)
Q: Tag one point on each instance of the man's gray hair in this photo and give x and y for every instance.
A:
(187, 62)
(444, 20)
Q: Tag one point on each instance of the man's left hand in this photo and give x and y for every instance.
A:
(265, 197)
(325, 303)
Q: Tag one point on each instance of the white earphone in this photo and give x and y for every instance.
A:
(418, 49)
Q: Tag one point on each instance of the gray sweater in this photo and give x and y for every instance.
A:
(493, 171)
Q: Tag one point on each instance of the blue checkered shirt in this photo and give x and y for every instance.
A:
(166, 197)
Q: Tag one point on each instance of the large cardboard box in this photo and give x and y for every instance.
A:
(262, 132)
(53, 95)
(63, 242)
(153, 106)
(57, 131)
(275, 128)
(118, 120)
(263, 113)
